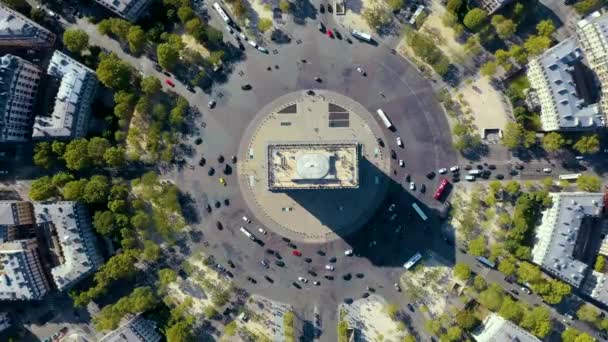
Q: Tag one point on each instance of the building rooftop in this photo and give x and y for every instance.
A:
(70, 115)
(129, 9)
(312, 165)
(559, 81)
(21, 275)
(492, 6)
(17, 30)
(136, 329)
(556, 237)
(497, 329)
(69, 225)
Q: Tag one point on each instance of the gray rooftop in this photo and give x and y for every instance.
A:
(559, 65)
(129, 9)
(497, 329)
(21, 275)
(136, 329)
(71, 223)
(556, 236)
(18, 30)
(72, 109)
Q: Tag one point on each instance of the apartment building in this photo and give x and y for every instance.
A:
(19, 81)
(135, 329)
(492, 6)
(128, 9)
(18, 31)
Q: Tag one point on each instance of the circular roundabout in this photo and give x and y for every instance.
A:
(311, 167)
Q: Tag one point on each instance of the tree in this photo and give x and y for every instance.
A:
(462, 271)
(179, 332)
(150, 85)
(587, 144)
(519, 54)
(479, 283)
(586, 6)
(168, 55)
(72, 191)
(409, 338)
(43, 155)
(285, 6)
(113, 72)
(545, 28)
(512, 188)
(103, 221)
(557, 291)
(513, 136)
(504, 27)
(391, 310)
(115, 156)
(453, 5)
(528, 273)
(477, 247)
(475, 19)
(507, 266)
(97, 189)
(42, 189)
(58, 148)
(491, 298)
(473, 46)
(553, 142)
(537, 321)
(136, 39)
(76, 40)
(489, 68)
(454, 334)
(588, 313)
(61, 178)
(589, 182)
(511, 310)
(76, 154)
(535, 45)
(395, 5)
(209, 312)
(96, 148)
(600, 262)
(185, 13)
(376, 16)
(467, 320)
(264, 24)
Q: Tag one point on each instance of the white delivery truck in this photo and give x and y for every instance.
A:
(248, 234)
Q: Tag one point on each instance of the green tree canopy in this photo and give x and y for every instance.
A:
(491, 298)
(77, 154)
(150, 85)
(115, 156)
(536, 45)
(42, 189)
(511, 310)
(43, 155)
(537, 321)
(489, 68)
(475, 19)
(76, 40)
(113, 72)
(545, 27)
(589, 182)
(477, 247)
(467, 320)
(553, 142)
(97, 190)
(73, 191)
(462, 271)
(136, 39)
(103, 221)
(168, 55)
(587, 144)
(96, 148)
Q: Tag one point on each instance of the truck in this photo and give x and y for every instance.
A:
(387, 122)
(221, 12)
(475, 172)
(361, 35)
(248, 234)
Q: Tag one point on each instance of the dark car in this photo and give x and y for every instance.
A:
(430, 175)
(252, 280)
(408, 178)
(492, 167)
(246, 87)
(233, 158)
(220, 159)
(514, 172)
(157, 67)
(231, 264)
(321, 8)
(226, 202)
(348, 300)
(270, 280)
(264, 263)
(468, 167)
(333, 259)
(455, 179)
(393, 154)
(318, 79)
(347, 277)
(411, 307)
(330, 9)
(296, 285)
(422, 188)
(337, 34)
(286, 239)
(320, 252)
(312, 273)
(365, 295)
(499, 176)
(479, 167)
(519, 166)
(198, 141)
(190, 88)
(211, 171)
(202, 161)
(360, 275)
(279, 263)
(515, 292)
(208, 208)
(380, 142)
(308, 260)
(329, 277)
(270, 251)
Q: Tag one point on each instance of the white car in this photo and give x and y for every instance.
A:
(246, 219)
(316, 283)
(454, 168)
(262, 231)
(401, 163)
(229, 29)
(443, 170)
(399, 142)
(254, 44)
(360, 70)
(263, 49)
(412, 186)
(304, 280)
(211, 104)
(348, 252)
(329, 267)
(391, 207)
(243, 36)
(547, 170)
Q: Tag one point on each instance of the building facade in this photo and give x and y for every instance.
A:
(136, 329)
(128, 9)
(18, 31)
(21, 273)
(495, 329)
(492, 6)
(70, 115)
(19, 81)
(592, 33)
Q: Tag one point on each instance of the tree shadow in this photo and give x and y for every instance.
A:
(302, 10)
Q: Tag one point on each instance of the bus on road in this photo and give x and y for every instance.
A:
(221, 12)
(570, 176)
(413, 260)
(385, 119)
(486, 262)
(441, 189)
(248, 234)
(419, 211)
(361, 35)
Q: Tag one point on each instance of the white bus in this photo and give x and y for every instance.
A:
(384, 118)
(571, 176)
(361, 35)
(419, 211)
(413, 260)
(248, 234)
(221, 12)
(418, 11)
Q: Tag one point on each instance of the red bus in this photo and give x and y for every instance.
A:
(439, 192)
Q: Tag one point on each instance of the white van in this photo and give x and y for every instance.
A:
(470, 178)
(254, 44)
(475, 172)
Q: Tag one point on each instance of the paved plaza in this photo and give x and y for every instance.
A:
(297, 209)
